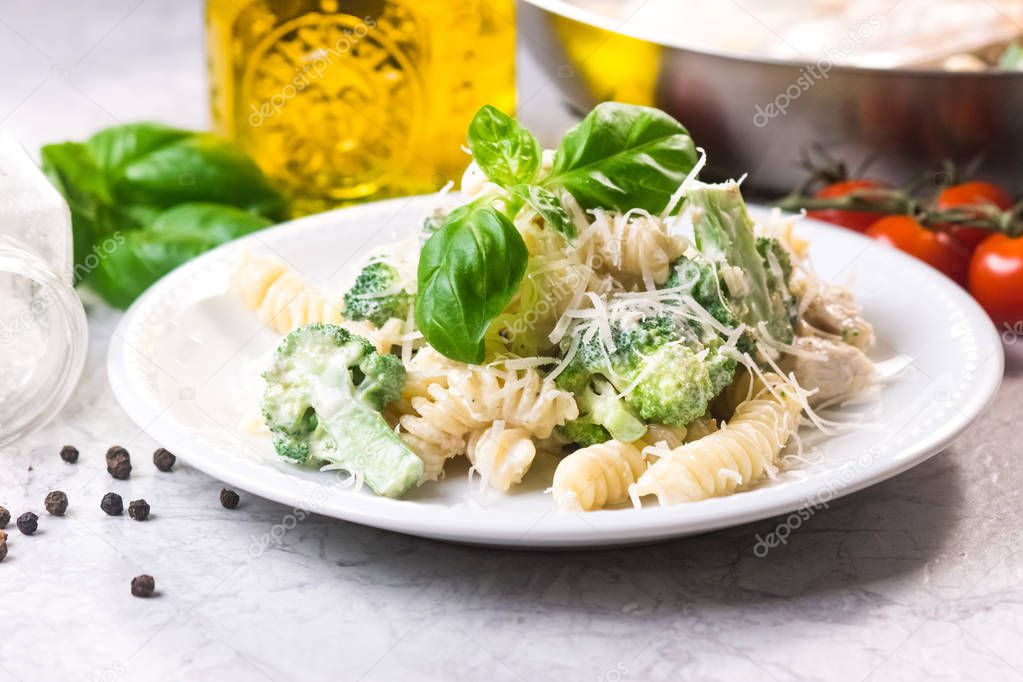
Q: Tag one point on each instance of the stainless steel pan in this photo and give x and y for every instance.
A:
(757, 116)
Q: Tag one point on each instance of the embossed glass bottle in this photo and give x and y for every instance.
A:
(344, 101)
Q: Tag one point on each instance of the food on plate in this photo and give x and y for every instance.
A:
(325, 390)
(742, 452)
(597, 304)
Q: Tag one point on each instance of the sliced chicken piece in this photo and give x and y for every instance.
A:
(836, 369)
(830, 310)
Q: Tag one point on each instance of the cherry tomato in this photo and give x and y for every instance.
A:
(937, 249)
(854, 220)
(996, 278)
(971, 194)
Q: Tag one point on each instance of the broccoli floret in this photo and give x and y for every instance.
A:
(671, 382)
(724, 236)
(377, 295)
(324, 392)
(706, 287)
(584, 433)
(655, 361)
(602, 414)
(770, 249)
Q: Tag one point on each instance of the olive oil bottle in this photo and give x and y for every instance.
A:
(345, 100)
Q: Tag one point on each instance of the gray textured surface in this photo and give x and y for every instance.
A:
(916, 578)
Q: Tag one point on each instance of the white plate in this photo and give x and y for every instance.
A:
(185, 359)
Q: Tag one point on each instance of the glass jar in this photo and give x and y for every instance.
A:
(43, 332)
(344, 101)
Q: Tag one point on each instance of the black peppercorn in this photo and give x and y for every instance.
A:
(5, 517)
(69, 453)
(28, 523)
(118, 462)
(138, 510)
(229, 498)
(112, 504)
(164, 459)
(56, 503)
(143, 586)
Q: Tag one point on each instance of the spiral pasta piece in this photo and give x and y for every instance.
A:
(672, 436)
(636, 247)
(444, 402)
(520, 398)
(737, 455)
(384, 338)
(436, 429)
(279, 296)
(597, 476)
(501, 456)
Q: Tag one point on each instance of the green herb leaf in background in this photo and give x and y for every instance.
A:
(202, 167)
(468, 271)
(506, 152)
(129, 178)
(622, 157)
(174, 237)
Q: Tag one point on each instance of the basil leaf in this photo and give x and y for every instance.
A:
(622, 157)
(115, 147)
(131, 262)
(72, 170)
(468, 272)
(201, 167)
(506, 152)
(547, 204)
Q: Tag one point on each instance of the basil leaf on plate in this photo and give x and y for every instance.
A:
(506, 152)
(547, 204)
(140, 257)
(468, 271)
(622, 157)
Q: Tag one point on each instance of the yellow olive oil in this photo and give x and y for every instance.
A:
(345, 101)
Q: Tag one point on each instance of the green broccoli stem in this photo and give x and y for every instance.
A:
(897, 202)
(367, 445)
(605, 408)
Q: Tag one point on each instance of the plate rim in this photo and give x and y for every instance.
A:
(503, 527)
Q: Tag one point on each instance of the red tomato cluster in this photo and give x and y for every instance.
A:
(989, 265)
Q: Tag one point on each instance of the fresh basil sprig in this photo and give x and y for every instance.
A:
(135, 178)
(619, 157)
(547, 204)
(623, 156)
(468, 271)
(504, 149)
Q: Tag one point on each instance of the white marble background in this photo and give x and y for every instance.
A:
(916, 578)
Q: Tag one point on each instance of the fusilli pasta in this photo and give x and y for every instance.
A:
(636, 247)
(597, 476)
(501, 456)
(737, 455)
(278, 296)
(463, 398)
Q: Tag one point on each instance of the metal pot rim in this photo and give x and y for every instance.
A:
(584, 16)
